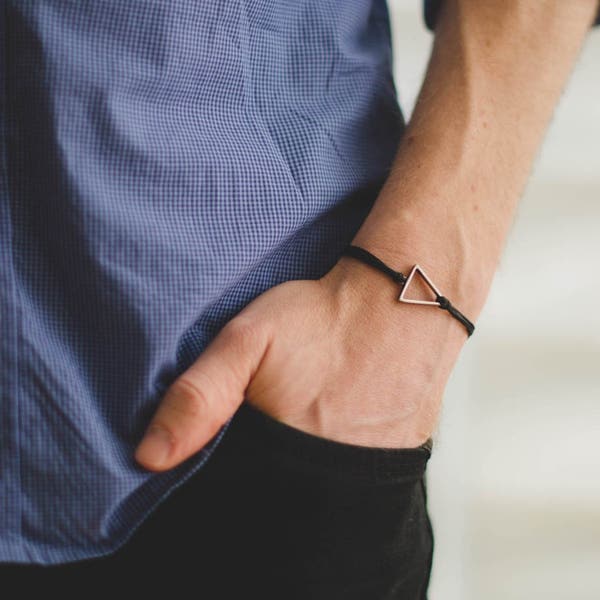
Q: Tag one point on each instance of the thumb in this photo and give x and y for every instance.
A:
(204, 396)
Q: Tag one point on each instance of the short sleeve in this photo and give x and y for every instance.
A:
(432, 7)
(430, 12)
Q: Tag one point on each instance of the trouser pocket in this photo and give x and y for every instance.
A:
(318, 518)
(322, 456)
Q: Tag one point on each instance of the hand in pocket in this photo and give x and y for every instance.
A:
(337, 357)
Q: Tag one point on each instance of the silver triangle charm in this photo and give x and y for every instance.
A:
(430, 283)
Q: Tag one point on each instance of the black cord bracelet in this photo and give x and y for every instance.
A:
(440, 300)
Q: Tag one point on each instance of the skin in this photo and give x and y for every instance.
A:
(339, 357)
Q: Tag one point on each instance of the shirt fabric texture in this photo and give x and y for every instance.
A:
(162, 163)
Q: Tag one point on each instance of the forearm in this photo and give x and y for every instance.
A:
(495, 74)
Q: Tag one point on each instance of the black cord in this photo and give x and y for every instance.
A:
(370, 259)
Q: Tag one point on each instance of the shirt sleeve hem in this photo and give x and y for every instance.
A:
(431, 9)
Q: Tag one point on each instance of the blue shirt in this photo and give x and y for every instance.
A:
(161, 164)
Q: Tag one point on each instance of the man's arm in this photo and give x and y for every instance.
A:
(496, 72)
(338, 356)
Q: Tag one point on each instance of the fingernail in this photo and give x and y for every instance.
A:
(155, 447)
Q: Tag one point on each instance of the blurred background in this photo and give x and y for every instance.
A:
(515, 476)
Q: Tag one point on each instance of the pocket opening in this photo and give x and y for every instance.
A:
(266, 434)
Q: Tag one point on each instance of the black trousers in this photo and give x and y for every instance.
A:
(275, 513)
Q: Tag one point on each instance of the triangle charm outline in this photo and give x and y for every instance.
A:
(428, 281)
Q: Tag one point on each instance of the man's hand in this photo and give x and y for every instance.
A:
(338, 357)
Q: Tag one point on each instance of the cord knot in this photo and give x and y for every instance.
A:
(444, 302)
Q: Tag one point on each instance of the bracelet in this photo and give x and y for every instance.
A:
(440, 300)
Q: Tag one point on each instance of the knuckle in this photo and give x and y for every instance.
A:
(187, 399)
(242, 331)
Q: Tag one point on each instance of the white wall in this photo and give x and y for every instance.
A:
(515, 477)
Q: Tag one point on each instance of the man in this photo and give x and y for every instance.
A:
(180, 181)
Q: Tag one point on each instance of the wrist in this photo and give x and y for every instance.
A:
(425, 339)
(464, 284)
(367, 286)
